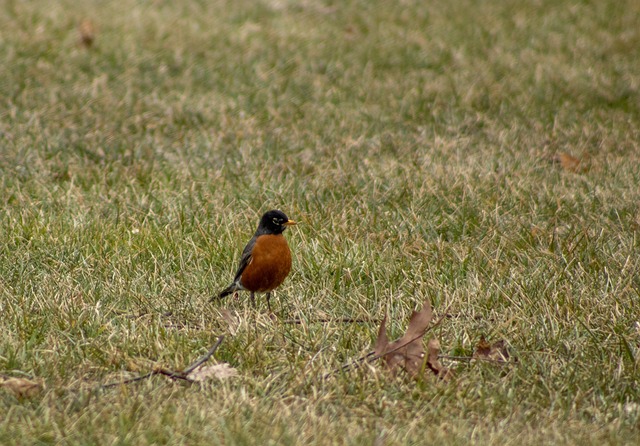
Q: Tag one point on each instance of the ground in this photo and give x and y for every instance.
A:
(483, 156)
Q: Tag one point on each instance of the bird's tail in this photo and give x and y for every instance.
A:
(228, 290)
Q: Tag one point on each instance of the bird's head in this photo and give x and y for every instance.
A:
(274, 222)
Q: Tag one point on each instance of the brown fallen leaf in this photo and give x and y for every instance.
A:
(570, 163)
(496, 352)
(216, 371)
(20, 387)
(382, 341)
(407, 352)
(433, 361)
(87, 32)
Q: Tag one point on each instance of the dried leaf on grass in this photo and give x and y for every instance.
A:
(496, 352)
(217, 371)
(433, 361)
(570, 163)
(407, 353)
(87, 32)
(20, 387)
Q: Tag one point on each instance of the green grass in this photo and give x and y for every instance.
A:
(411, 139)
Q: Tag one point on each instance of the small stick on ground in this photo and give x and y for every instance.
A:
(183, 375)
(340, 320)
(455, 358)
(205, 358)
(481, 359)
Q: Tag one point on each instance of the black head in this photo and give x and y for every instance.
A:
(274, 222)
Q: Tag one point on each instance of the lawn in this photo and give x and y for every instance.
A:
(417, 145)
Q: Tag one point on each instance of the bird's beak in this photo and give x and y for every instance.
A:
(290, 223)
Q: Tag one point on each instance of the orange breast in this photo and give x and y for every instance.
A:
(270, 264)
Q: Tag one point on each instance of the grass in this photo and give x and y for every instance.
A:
(411, 140)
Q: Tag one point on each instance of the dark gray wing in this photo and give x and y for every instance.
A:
(246, 258)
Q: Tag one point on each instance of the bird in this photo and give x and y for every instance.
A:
(265, 261)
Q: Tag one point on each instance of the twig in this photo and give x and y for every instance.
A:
(205, 358)
(369, 357)
(141, 315)
(477, 318)
(455, 358)
(129, 381)
(183, 375)
(478, 358)
(440, 319)
(343, 320)
(181, 325)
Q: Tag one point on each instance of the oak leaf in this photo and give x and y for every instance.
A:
(407, 353)
(496, 352)
(570, 163)
(433, 361)
(87, 33)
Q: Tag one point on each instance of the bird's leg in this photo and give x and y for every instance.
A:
(253, 300)
(269, 301)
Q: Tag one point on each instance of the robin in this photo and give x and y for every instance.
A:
(266, 260)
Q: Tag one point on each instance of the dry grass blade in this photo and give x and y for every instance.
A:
(232, 322)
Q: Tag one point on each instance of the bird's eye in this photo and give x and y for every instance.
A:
(276, 220)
